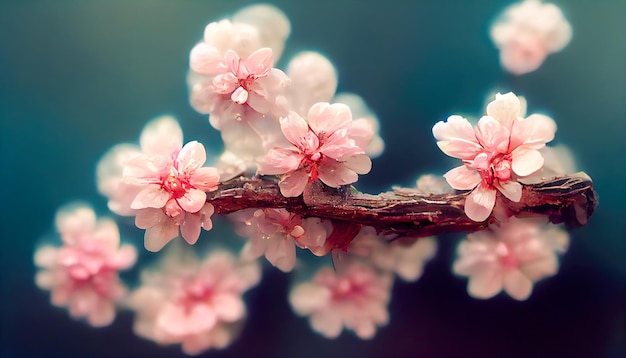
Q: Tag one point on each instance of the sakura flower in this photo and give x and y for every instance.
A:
(83, 273)
(502, 148)
(173, 185)
(275, 233)
(405, 260)
(527, 32)
(240, 85)
(355, 299)
(196, 304)
(321, 149)
(510, 257)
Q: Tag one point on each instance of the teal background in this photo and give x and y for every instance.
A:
(77, 77)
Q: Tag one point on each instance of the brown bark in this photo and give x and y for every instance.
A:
(568, 199)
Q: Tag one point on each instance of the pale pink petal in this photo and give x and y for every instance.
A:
(205, 179)
(327, 323)
(360, 164)
(149, 217)
(281, 252)
(295, 128)
(229, 307)
(152, 196)
(485, 284)
(190, 229)
(292, 184)
(517, 285)
(533, 132)
(254, 248)
(256, 100)
(526, 161)
(329, 118)
(308, 297)
(313, 79)
(462, 178)
(505, 109)
(158, 236)
(511, 189)
(522, 55)
(280, 161)
(260, 61)
(456, 138)
(315, 234)
(192, 201)
(124, 258)
(335, 174)
(492, 135)
(205, 59)
(102, 314)
(46, 256)
(191, 157)
(161, 136)
(205, 215)
(479, 203)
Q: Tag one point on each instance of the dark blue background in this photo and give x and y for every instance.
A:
(77, 77)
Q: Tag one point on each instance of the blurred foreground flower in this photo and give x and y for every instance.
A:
(196, 304)
(82, 274)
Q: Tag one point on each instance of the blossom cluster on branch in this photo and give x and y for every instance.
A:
(293, 148)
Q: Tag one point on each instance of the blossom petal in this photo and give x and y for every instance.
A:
(159, 235)
(517, 285)
(335, 174)
(485, 284)
(229, 307)
(456, 138)
(162, 136)
(360, 164)
(308, 297)
(511, 189)
(526, 161)
(292, 184)
(192, 201)
(492, 135)
(205, 59)
(279, 161)
(329, 118)
(479, 203)
(191, 157)
(190, 229)
(327, 323)
(149, 217)
(295, 128)
(260, 61)
(506, 108)
(533, 132)
(281, 252)
(205, 179)
(462, 178)
(152, 196)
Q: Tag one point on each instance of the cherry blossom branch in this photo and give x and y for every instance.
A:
(568, 199)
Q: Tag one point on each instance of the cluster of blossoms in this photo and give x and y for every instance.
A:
(291, 126)
(83, 273)
(527, 32)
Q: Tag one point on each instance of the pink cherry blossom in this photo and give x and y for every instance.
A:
(196, 304)
(275, 233)
(406, 260)
(83, 273)
(173, 185)
(510, 257)
(502, 148)
(238, 86)
(356, 299)
(321, 149)
(109, 178)
(527, 32)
